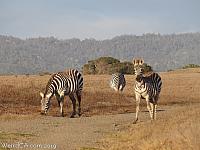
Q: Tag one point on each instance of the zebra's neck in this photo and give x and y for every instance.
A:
(49, 90)
(140, 84)
(139, 78)
(48, 93)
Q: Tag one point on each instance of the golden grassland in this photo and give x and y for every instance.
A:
(176, 129)
(20, 94)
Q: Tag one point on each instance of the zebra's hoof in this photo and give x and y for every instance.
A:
(79, 114)
(72, 116)
(42, 113)
(134, 122)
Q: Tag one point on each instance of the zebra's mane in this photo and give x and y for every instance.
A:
(66, 74)
(48, 84)
(149, 77)
(148, 74)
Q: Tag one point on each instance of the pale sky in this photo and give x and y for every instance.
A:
(99, 19)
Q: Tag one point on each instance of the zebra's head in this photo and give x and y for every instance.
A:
(138, 69)
(45, 101)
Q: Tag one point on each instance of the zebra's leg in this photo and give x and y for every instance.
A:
(149, 107)
(137, 97)
(121, 88)
(155, 108)
(61, 103)
(74, 105)
(79, 103)
(115, 89)
(58, 99)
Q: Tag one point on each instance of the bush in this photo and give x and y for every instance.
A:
(147, 68)
(109, 65)
(190, 66)
(107, 60)
(44, 73)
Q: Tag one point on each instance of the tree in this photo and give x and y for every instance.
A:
(110, 65)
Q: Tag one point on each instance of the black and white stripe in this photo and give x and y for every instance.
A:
(118, 82)
(61, 84)
(147, 87)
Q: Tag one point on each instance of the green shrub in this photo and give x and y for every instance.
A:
(147, 68)
(109, 65)
(107, 60)
(190, 66)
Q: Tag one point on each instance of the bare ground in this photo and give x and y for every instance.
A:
(69, 133)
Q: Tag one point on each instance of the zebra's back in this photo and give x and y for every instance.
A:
(155, 81)
(118, 81)
(69, 81)
(77, 76)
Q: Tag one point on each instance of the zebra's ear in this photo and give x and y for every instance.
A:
(134, 62)
(41, 94)
(138, 61)
(141, 62)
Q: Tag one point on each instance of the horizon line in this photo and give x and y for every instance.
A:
(91, 38)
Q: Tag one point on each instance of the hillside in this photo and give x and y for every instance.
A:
(36, 55)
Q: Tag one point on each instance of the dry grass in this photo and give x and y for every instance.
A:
(20, 94)
(177, 129)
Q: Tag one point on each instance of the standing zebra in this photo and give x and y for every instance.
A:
(147, 87)
(118, 82)
(61, 84)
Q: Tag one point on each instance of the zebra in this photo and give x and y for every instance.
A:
(61, 84)
(118, 82)
(146, 87)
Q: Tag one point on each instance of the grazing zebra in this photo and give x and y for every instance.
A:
(118, 82)
(147, 87)
(61, 84)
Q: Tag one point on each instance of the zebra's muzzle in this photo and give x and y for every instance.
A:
(43, 113)
(139, 78)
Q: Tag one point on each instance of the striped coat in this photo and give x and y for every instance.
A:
(118, 82)
(150, 85)
(61, 84)
(146, 87)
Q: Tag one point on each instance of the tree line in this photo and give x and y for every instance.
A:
(34, 55)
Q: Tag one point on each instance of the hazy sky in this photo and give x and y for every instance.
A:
(99, 19)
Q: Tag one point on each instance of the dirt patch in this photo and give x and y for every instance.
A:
(75, 133)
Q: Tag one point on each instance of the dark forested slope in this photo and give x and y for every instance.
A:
(35, 55)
